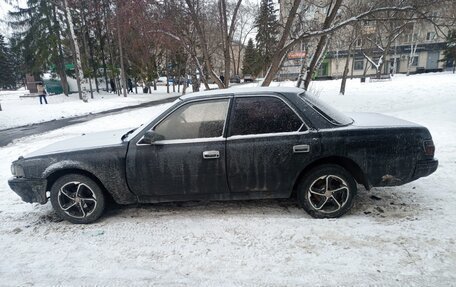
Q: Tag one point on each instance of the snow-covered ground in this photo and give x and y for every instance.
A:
(19, 109)
(393, 236)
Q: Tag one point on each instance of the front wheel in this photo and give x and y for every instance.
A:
(327, 191)
(77, 199)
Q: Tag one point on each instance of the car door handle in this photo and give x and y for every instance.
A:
(211, 154)
(301, 148)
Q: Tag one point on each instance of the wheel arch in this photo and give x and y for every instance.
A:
(53, 176)
(352, 167)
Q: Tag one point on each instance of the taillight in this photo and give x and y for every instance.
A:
(429, 148)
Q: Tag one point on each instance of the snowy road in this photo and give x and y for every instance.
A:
(9, 135)
(402, 236)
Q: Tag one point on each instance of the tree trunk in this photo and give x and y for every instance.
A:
(60, 65)
(84, 40)
(322, 42)
(281, 52)
(276, 63)
(79, 74)
(93, 64)
(203, 44)
(345, 74)
(366, 68)
(303, 71)
(184, 88)
(315, 59)
(122, 67)
(412, 55)
(167, 75)
(103, 57)
(201, 72)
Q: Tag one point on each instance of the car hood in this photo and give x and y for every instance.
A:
(85, 141)
(378, 120)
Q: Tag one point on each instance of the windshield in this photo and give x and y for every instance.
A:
(328, 112)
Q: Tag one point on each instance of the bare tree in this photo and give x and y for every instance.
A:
(331, 12)
(286, 42)
(77, 55)
(243, 30)
(352, 38)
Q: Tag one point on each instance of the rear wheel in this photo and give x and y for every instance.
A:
(77, 198)
(327, 191)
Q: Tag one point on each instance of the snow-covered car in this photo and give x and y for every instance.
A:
(230, 145)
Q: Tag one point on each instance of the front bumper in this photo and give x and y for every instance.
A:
(30, 190)
(425, 168)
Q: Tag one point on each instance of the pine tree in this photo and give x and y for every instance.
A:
(267, 25)
(7, 79)
(38, 37)
(250, 65)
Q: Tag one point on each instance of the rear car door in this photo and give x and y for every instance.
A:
(268, 145)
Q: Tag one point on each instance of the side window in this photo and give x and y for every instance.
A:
(204, 119)
(262, 115)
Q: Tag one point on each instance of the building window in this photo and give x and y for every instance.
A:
(414, 61)
(359, 43)
(409, 38)
(359, 64)
(430, 36)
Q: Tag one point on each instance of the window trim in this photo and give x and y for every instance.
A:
(194, 140)
(268, 135)
(297, 132)
(354, 64)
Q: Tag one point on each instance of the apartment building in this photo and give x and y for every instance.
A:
(419, 48)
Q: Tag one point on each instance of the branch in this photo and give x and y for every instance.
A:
(344, 23)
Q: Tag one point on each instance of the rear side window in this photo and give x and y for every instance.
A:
(328, 112)
(263, 115)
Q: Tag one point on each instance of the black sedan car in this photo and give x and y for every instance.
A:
(228, 145)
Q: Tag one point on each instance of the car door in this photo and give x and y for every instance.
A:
(189, 161)
(268, 145)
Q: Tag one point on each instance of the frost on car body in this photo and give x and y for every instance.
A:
(230, 144)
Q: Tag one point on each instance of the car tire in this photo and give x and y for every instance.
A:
(327, 191)
(77, 199)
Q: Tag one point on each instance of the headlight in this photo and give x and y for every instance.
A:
(17, 170)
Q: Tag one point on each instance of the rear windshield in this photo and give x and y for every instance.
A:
(328, 112)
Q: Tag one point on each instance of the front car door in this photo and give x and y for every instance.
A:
(189, 162)
(268, 145)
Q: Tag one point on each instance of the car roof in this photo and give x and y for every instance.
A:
(239, 90)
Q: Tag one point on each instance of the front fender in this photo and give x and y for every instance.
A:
(110, 177)
(66, 165)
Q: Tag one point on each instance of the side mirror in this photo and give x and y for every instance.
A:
(151, 136)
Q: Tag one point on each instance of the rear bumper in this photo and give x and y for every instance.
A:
(30, 190)
(425, 168)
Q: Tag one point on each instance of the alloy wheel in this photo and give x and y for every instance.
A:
(328, 193)
(77, 199)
